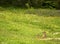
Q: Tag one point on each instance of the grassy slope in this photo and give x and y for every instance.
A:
(19, 28)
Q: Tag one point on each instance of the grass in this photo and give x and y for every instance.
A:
(21, 26)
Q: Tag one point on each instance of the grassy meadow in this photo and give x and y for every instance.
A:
(22, 26)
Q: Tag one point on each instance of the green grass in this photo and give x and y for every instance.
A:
(20, 26)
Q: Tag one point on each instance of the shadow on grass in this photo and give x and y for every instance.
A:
(44, 12)
(39, 12)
